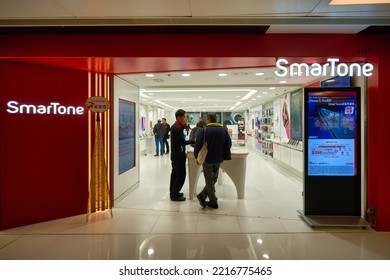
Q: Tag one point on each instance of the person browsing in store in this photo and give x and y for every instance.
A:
(217, 139)
(195, 131)
(166, 135)
(159, 132)
(178, 156)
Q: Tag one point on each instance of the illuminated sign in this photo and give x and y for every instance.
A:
(54, 108)
(317, 70)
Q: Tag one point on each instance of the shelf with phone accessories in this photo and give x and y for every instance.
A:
(267, 133)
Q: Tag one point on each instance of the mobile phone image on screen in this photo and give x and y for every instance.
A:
(339, 125)
(331, 120)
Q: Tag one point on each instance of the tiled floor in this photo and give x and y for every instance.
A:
(147, 225)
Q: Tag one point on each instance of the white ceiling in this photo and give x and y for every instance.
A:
(206, 90)
(277, 13)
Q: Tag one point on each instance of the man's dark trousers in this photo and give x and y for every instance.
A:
(178, 175)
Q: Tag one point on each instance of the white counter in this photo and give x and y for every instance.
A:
(234, 168)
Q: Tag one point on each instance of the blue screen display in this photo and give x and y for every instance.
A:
(332, 120)
(339, 81)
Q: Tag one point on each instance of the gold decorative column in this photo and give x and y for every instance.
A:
(99, 190)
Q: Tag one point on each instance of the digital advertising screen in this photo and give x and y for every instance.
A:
(332, 153)
(331, 133)
(126, 135)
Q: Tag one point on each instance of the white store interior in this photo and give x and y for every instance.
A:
(247, 92)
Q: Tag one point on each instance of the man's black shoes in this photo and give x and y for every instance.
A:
(213, 205)
(179, 198)
(202, 201)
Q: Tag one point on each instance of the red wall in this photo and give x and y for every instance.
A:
(43, 158)
(191, 49)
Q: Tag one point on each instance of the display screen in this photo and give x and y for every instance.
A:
(126, 135)
(332, 132)
(339, 81)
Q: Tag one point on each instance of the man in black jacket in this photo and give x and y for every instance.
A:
(217, 139)
(159, 132)
(178, 156)
(166, 136)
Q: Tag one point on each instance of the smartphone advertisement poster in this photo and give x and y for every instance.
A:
(126, 135)
(332, 122)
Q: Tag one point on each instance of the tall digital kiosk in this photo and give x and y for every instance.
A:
(332, 180)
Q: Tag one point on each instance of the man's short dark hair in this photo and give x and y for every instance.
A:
(212, 117)
(164, 119)
(180, 113)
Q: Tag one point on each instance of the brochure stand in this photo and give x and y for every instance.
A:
(332, 180)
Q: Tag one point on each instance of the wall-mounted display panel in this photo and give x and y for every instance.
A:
(126, 152)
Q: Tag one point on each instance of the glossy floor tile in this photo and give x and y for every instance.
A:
(277, 246)
(147, 225)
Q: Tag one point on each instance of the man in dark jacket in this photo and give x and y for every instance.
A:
(217, 139)
(159, 132)
(178, 156)
(166, 135)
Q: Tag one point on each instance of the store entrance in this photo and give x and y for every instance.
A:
(271, 130)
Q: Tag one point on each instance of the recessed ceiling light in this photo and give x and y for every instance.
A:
(186, 74)
(265, 92)
(282, 82)
(222, 74)
(272, 88)
(150, 93)
(149, 75)
(259, 74)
